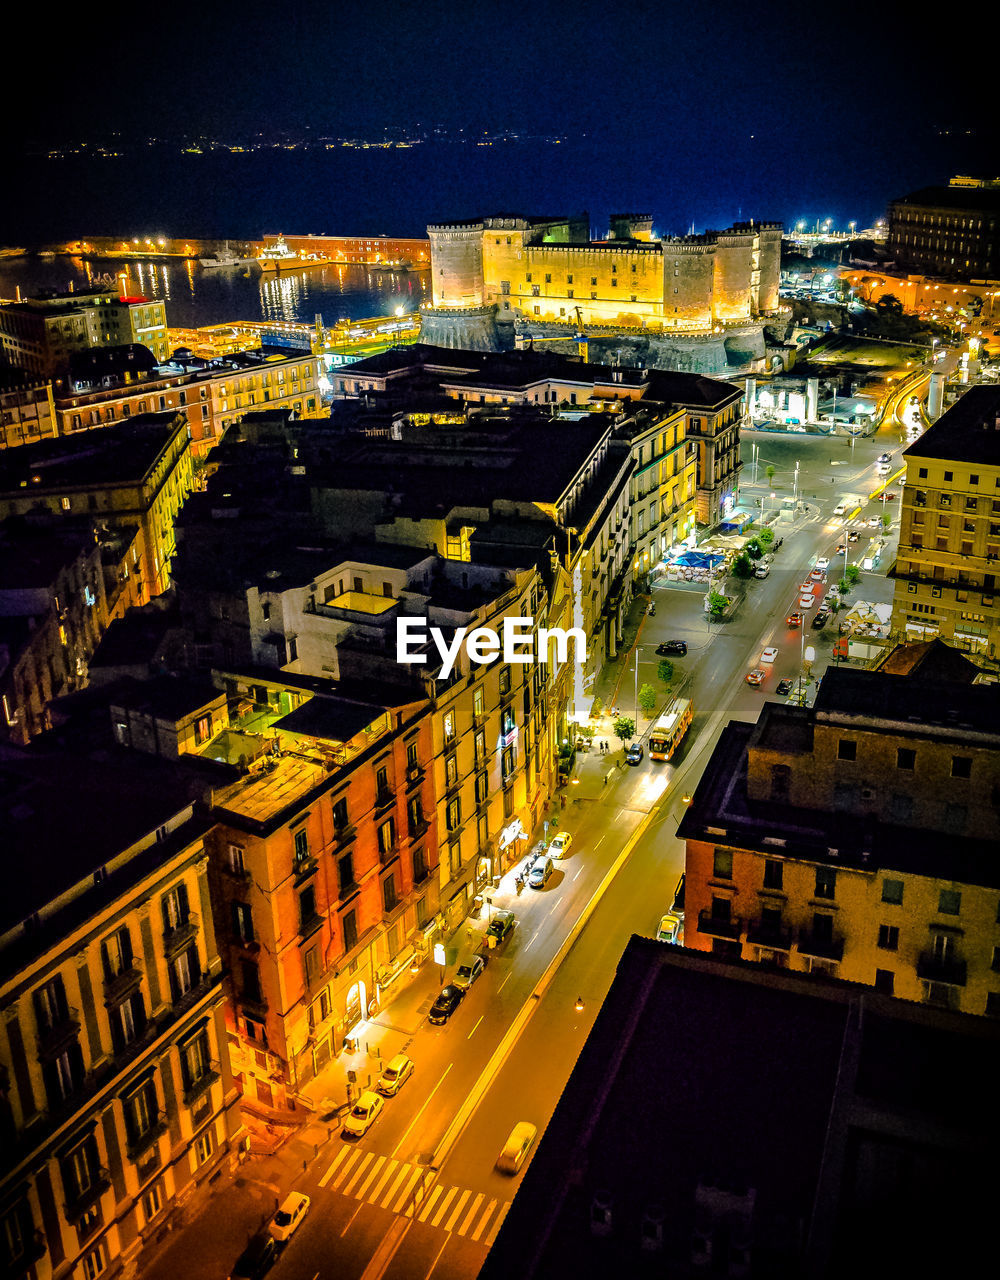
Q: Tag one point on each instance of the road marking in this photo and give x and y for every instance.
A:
(332, 1169)
(430, 1204)
(444, 1205)
(449, 1225)
(423, 1104)
(346, 1169)
(384, 1202)
(483, 1220)
(532, 939)
(358, 1172)
(496, 1226)
(377, 1190)
(601, 841)
(350, 1221)
(404, 1194)
(505, 981)
(471, 1214)
(373, 1173)
(578, 870)
(437, 1257)
(550, 910)
(473, 1031)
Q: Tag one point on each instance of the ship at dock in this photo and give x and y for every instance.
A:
(278, 257)
(226, 258)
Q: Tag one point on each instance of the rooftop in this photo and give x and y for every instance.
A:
(981, 199)
(967, 432)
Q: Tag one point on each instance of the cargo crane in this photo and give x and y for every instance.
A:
(580, 338)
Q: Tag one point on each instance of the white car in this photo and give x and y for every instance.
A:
(561, 841)
(289, 1217)
(769, 654)
(396, 1072)
(363, 1114)
(806, 602)
(823, 563)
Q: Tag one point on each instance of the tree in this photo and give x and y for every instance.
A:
(647, 700)
(769, 473)
(624, 727)
(887, 521)
(853, 574)
(742, 568)
(843, 586)
(766, 537)
(665, 671)
(753, 549)
(717, 604)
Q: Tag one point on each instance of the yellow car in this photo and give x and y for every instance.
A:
(560, 843)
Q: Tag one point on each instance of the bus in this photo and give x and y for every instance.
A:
(665, 736)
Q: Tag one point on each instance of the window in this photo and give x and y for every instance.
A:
(451, 771)
(884, 979)
(774, 872)
(116, 954)
(95, 1262)
(949, 902)
(236, 862)
(419, 865)
(993, 1004)
(387, 836)
(196, 1062)
(449, 726)
(340, 818)
(722, 864)
(389, 899)
(242, 921)
(412, 760)
(847, 749)
(905, 757)
(175, 908)
(505, 680)
(478, 702)
(205, 1146)
(480, 747)
(382, 782)
(152, 1201)
(826, 882)
(307, 906)
(961, 766)
(888, 937)
(141, 1113)
(350, 930)
(892, 891)
(995, 965)
(454, 816)
(301, 846)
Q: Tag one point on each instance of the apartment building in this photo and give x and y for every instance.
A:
(948, 560)
(857, 839)
(27, 410)
(116, 1099)
(948, 231)
(210, 394)
(132, 478)
(41, 335)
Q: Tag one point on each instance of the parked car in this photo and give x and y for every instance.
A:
(516, 1147)
(806, 602)
(397, 1071)
(756, 676)
(672, 649)
(469, 970)
(784, 686)
(769, 654)
(293, 1209)
(364, 1113)
(890, 496)
(669, 930)
(500, 927)
(538, 876)
(634, 754)
(817, 575)
(561, 841)
(821, 619)
(823, 563)
(449, 998)
(794, 619)
(762, 571)
(256, 1259)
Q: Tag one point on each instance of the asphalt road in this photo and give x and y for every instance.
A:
(419, 1196)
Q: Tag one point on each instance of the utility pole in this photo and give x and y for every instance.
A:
(795, 485)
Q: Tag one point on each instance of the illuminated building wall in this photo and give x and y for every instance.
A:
(27, 410)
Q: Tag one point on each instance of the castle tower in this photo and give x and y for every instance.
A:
(456, 264)
(631, 226)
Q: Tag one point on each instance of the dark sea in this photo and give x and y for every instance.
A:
(348, 191)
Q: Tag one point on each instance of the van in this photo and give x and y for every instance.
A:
(516, 1147)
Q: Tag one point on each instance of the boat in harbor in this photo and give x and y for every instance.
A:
(226, 258)
(400, 264)
(278, 257)
(13, 253)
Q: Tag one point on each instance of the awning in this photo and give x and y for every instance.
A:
(514, 831)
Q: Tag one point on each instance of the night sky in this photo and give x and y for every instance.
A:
(765, 110)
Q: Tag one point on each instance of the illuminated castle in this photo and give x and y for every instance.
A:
(549, 270)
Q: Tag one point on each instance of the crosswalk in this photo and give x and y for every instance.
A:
(406, 1189)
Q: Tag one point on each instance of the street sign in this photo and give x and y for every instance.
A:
(439, 956)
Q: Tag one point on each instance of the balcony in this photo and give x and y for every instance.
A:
(385, 856)
(303, 868)
(716, 927)
(254, 1004)
(414, 774)
(810, 944)
(196, 1088)
(53, 1039)
(177, 938)
(77, 1205)
(385, 798)
(933, 968)
(776, 937)
(138, 1144)
(345, 834)
(417, 827)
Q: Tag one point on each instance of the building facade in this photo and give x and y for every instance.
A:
(117, 1101)
(857, 839)
(951, 231)
(948, 561)
(41, 334)
(27, 410)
